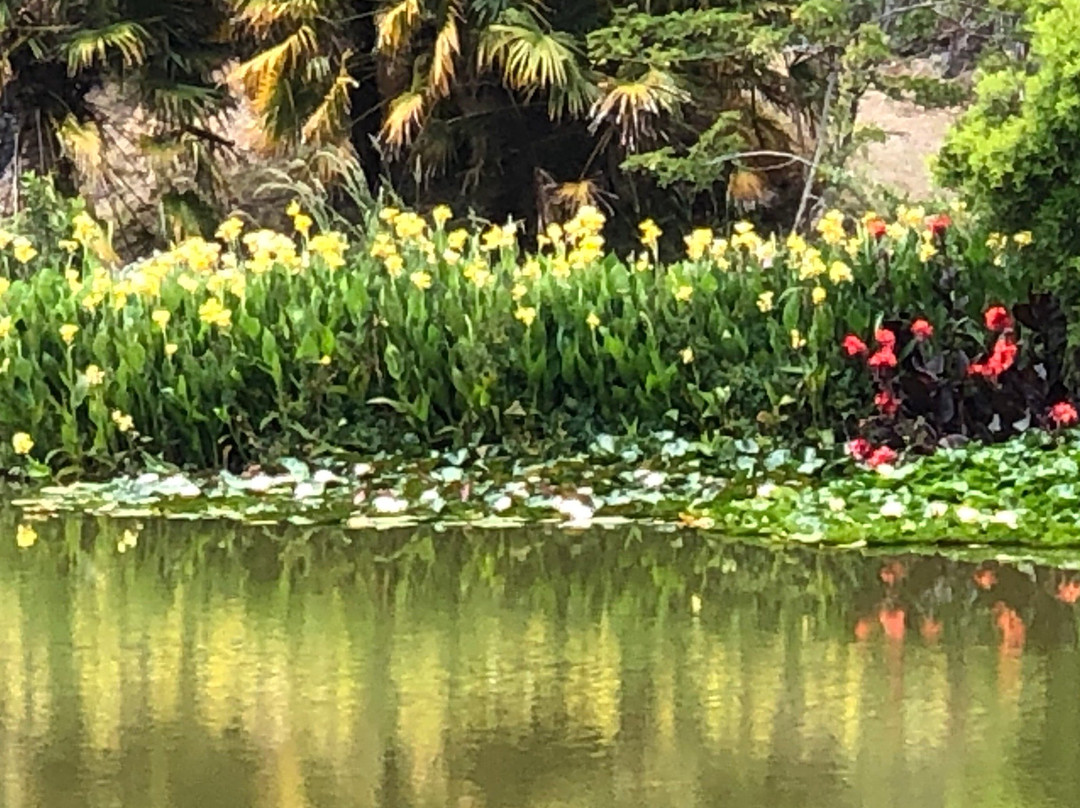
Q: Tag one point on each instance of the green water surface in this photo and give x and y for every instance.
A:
(214, 666)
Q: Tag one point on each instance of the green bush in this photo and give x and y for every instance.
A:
(219, 351)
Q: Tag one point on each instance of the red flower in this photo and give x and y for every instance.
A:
(887, 402)
(922, 330)
(881, 456)
(938, 224)
(876, 227)
(885, 358)
(853, 345)
(1000, 360)
(859, 448)
(1063, 414)
(1003, 356)
(885, 338)
(998, 319)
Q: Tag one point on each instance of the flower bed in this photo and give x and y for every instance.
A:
(259, 342)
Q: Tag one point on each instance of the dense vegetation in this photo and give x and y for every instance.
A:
(676, 110)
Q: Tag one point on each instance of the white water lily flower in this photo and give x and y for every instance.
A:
(837, 504)
(893, 509)
(578, 512)
(387, 503)
(1007, 518)
(936, 510)
(967, 514)
(653, 479)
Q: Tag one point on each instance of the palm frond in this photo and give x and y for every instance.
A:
(329, 119)
(90, 46)
(259, 16)
(403, 120)
(447, 47)
(82, 145)
(632, 106)
(533, 61)
(394, 25)
(261, 73)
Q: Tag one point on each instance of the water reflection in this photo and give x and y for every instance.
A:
(212, 666)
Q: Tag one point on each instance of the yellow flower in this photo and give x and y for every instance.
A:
(831, 227)
(5, 284)
(23, 250)
(650, 233)
(927, 250)
(896, 231)
(743, 228)
(187, 282)
(171, 348)
(94, 375)
(230, 229)
(451, 257)
(394, 264)
(684, 293)
(818, 295)
(68, 332)
(330, 247)
(1023, 238)
(5, 326)
(911, 218)
(530, 270)
(868, 217)
(996, 241)
(389, 214)
(687, 355)
(85, 229)
(302, 222)
(765, 301)
(5, 365)
(519, 291)
(68, 245)
(839, 272)
(441, 214)
(213, 312)
(457, 238)
(477, 273)
(592, 320)
(25, 536)
(797, 339)
(496, 237)
(123, 422)
(698, 242)
(421, 280)
(852, 246)
(796, 244)
(409, 226)
(5, 239)
(22, 443)
(161, 318)
(325, 359)
(293, 209)
(554, 232)
(526, 314)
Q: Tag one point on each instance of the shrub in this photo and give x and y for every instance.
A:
(260, 342)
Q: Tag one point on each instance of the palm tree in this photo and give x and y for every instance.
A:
(164, 54)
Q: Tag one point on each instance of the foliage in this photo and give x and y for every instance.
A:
(219, 350)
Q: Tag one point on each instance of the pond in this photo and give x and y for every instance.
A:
(208, 665)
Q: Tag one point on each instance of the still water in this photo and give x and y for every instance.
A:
(217, 666)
